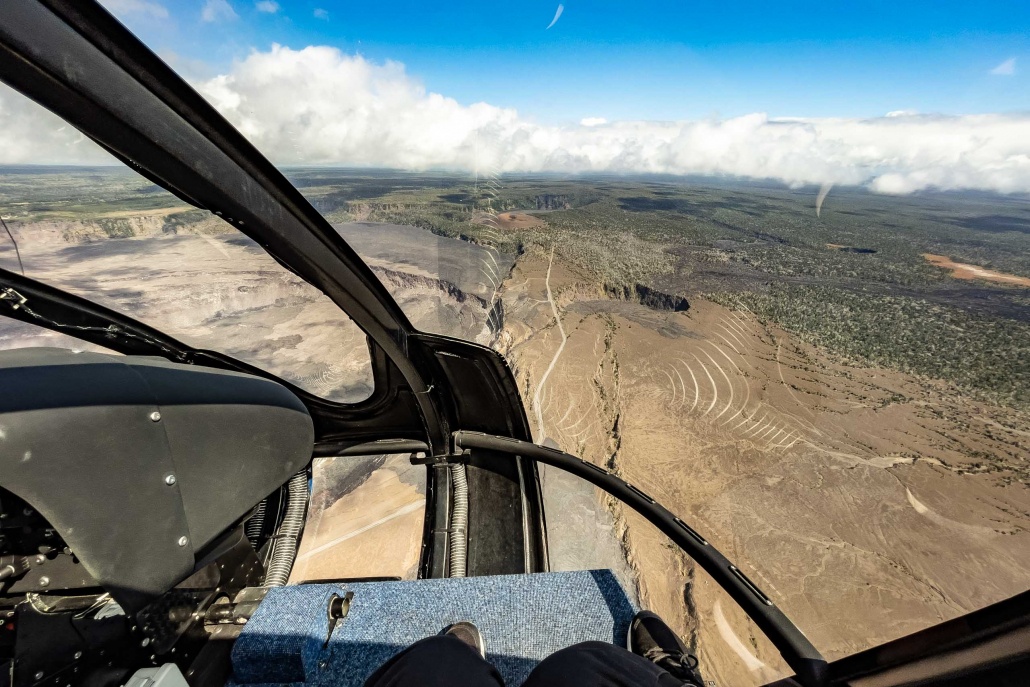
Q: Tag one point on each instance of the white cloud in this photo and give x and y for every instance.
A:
(218, 10)
(593, 121)
(321, 14)
(320, 106)
(30, 134)
(123, 8)
(267, 6)
(1006, 68)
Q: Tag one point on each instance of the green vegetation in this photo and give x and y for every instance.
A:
(990, 356)
(34, 194)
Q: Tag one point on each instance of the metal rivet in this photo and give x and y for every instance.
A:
(183, 541)
(39, 675)
(78, 655)
(155, 416)
(145, 642)
(40, 559)
(44, 581)
(170, 480)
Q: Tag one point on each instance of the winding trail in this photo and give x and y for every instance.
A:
(554, 360)
(733, 642)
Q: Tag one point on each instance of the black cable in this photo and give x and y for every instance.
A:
(15, 243)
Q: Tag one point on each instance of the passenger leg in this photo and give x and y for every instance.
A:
(599, 664)
(656, 656)
(440, 661)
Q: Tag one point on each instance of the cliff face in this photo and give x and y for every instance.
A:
(397, 278)
(362, 211)
(648, 297)
(103, 228)
(551, 202)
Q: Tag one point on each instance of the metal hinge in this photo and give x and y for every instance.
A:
(425, 459)
(17, 300)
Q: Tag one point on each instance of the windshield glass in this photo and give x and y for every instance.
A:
(770, 264)
(105, 233)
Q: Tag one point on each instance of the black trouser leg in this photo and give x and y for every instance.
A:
(598, 664)
(440, 661)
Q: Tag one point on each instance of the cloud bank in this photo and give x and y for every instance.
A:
(320, 106)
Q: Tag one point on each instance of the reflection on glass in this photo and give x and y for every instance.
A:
(15, 334)
(110, 236)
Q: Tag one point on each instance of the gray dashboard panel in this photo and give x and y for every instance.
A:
(138, 462)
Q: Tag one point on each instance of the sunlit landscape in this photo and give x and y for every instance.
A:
(803, 326)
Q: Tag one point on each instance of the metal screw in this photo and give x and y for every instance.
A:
(78, 655)
(40, 559)
(155, 416)
(39, 675)
(145, 642)
(183, 541)
(170, 480)
(44, 581)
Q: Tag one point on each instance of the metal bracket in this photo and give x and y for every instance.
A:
(447, 459)
(16, 299)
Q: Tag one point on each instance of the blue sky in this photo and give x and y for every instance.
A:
(891, 95)
(639, 60)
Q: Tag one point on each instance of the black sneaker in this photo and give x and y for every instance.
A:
(651, 638)
(468, 633)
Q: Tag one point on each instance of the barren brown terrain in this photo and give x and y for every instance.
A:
(962, 271)
(850, 494)
(365, 519)
(509, 220)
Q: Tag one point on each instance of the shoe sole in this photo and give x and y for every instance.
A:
(480, 648)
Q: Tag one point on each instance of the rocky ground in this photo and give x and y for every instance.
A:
(859, 499)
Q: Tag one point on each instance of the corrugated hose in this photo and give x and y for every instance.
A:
(459, 520)
(284, 547)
